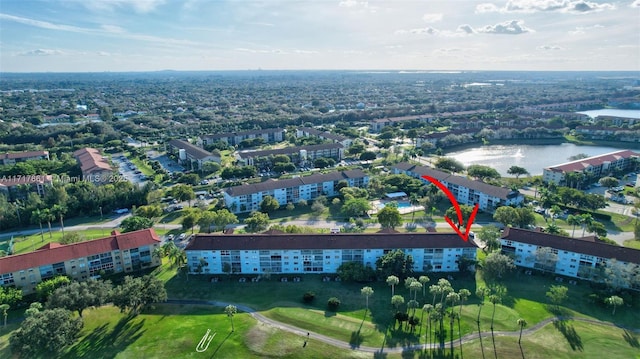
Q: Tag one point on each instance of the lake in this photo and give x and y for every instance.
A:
(613, 112)
(532, 157)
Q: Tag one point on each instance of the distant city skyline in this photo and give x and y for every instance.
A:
(195, 35)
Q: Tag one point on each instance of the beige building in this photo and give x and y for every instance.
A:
(120, 252)
(95, 168)
(13, 158)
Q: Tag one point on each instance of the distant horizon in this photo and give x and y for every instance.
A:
(88, 36)
(372, 71)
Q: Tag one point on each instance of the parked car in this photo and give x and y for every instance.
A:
(182, 236)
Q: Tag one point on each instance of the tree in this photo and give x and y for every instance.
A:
(355, 272)
(47, 331)
(10, 295)
(135, 223)
(452, 214)
(517, 171)
(490, 236)
(230, 311)
(58, 211)
(521, 217)
(333, 303)
(269, 204)
(483, 172)
(45, 288)
(256, 222)
(205, 221)
(395, 263)
(481, 293)
(389, 217)
(135, 293)
(598, 228)
(557, 294)
(545, 259)
(78, 296)
(450, 164)
(366, 293)
(5, 312)
(613, 301)
(183, 192)
(423, 279)
(355, 207)
(397, 301)
(521, 323)
(392, 281)
(496, 265)
(149, 211)
(574, 220)
(586, 220)
(190, 219)
(38, 217)
(609, 182)
(223, 218)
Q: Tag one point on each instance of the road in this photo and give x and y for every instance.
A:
(303, 333)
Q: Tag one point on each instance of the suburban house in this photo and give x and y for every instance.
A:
(301, 155)
(14, 157)
(247, 198)
(120, 252)
(268, 135)
(378, 124)
(277, 253)
(94, 167)
(312, 132)
(188, 152)
(466, 191)
(592, 167)
(20, 186)
(576, 257)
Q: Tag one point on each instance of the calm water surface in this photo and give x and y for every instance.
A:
(532, 157)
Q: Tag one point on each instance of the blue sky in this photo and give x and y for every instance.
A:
(150, 35)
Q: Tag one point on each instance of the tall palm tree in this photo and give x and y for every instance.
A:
(587, 220)
(574, 220)
(37, 217)
(366, 293)
(58, 211)
(231, 310)
(423, 279)
(48, 217)
(414, 200)
(452, 317)
(5, 312)
(481, 293)
(522, 323)
(494, 299)
(427, 308)
(392, 281)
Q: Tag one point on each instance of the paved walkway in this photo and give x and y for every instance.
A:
(362, 348)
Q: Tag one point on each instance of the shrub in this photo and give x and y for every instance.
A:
(333, 303)
(308, 297)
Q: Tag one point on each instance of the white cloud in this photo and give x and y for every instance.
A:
(431, 18)
(580, 30)
(636, 3)
(426, 30)
(531, 6)
(550, 47)
(513, 27)
(41, 52)
(353, 3)
(113, 29)
(139, 6)
(466, 28)
(42, 24)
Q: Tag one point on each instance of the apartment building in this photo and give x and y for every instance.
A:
(593, 167)
(247, 197)
(576, 257)
(15, 157)
(94, 167)
(278, 253)
(312, 132)
(120, 252)
(301, 155)
(188, 152)
(466, 191)
(268, 135)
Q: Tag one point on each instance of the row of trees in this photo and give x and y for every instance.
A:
(50, 327)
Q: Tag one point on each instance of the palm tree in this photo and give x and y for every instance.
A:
(481, 293)
(555, 210)
(48, 217)
(392, 280)
(5, 312)
(427, 308)
(452, 317)
(37, 217)
(587, 220)
(59, 211)
(366, 292)
(494, 299)
(574, 220)
(412, 304)
(415, 287)
(231, 310)
(423, 279)
(522, 323)
(414, 200)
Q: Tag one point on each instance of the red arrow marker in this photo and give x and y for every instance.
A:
(456, 205)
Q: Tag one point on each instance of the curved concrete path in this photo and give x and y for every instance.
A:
(346, 345)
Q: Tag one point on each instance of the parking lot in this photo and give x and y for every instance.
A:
(169, 165)
(128, 170)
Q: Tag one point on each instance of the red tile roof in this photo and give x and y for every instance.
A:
(27, 154)
(91, 160)
(56, 253)
(582, 164)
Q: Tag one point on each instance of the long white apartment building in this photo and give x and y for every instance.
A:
(278, 253)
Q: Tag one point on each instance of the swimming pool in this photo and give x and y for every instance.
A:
(400, 205)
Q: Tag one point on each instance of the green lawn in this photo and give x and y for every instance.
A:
(631, 243)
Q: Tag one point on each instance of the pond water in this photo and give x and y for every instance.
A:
(532, 157)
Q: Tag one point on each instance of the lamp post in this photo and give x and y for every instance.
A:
(101, 213)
